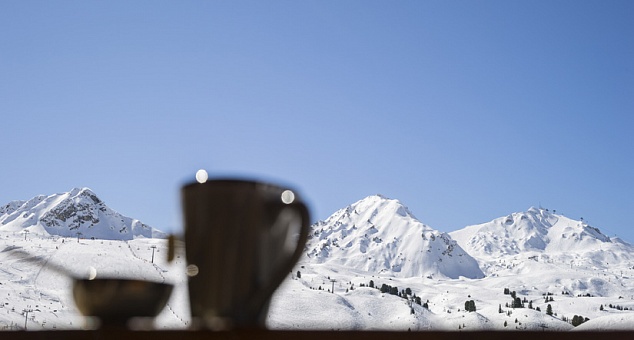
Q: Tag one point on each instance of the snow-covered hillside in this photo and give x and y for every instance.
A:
(534, 230)
(380, 235)
(76, 213)
(538, 243)
(536, 255)
(540, 258)
(30, 282)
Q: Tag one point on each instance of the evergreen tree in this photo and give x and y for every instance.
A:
(530, 304)
(371, 284)
(408, 291)
(299, 274)
(578, 320)
(469, 306)
(549, 310)
(505, 324)
(385, 288)
(500, 309)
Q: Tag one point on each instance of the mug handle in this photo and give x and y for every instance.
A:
(261, 296)
(171, 248)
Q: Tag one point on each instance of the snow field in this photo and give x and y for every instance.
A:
(536, 254)
(30, 282)
(298, 304)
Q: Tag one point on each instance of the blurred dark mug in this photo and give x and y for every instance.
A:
(242, 238)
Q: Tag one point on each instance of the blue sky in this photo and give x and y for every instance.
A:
(465, 111)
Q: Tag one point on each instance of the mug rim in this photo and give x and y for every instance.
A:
(237, 180)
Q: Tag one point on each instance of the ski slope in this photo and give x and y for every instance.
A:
(536, 254)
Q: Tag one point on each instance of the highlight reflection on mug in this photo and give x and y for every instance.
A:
(192, 270)
(201, 176)
(288, 197)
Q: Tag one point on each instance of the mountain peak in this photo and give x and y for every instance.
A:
(81, 191)
(77, 212)
(378, 197)
(537, 230)
(84, 193)
(382, 205)
(380, 235)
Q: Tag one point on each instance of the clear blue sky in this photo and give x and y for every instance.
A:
(464, 110)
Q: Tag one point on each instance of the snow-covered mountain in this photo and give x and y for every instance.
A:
(552, 252)
(534, 230)
(547, 260)
(380, 235)
(78, 212)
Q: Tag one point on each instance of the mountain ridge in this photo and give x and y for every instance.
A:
(381, 235)
(593, 282)
(534, 230)
(78, 212)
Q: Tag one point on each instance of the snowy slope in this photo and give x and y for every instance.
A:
(380, 235)
(539, 233)
(552, 252)
(68, 214)
(534, 230)
(536, 254)
(28, 280)
(327, 292)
